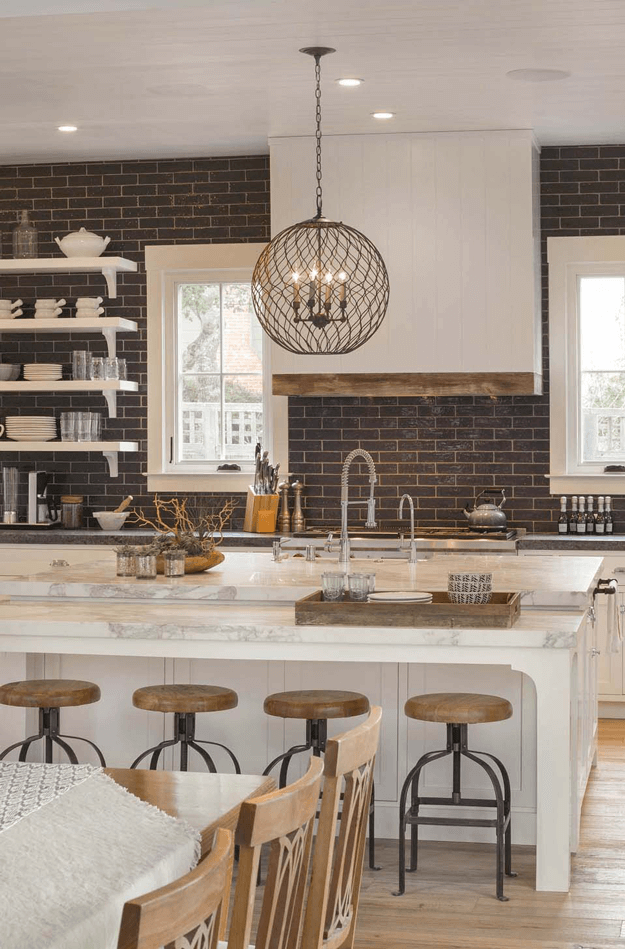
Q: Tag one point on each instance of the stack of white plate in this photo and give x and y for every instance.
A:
(30, 428)
(397, 596)
(42, 371)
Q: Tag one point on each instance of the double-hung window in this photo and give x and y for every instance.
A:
(587, 363)
(209, 380)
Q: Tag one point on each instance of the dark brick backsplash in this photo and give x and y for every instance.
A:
(440, 450)
(208, 200)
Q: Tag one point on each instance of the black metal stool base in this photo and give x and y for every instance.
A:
(316, 738)
(184, 735)
(49, 724)
(457, 746)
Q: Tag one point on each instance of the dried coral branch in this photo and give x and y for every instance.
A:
(192, 530)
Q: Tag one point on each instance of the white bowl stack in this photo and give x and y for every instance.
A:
(42, 371)
(48, 309)
(9, 309)
(88, 308)
(30, 428)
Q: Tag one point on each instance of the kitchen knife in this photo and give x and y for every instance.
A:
(274, 486)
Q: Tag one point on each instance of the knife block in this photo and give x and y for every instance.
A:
(261, 512)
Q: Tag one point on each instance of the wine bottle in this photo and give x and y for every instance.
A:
(573, 517)
(609, 522)
(24, 238)
(590, 517)
(600, 517)
(581, 517)
(563, 520)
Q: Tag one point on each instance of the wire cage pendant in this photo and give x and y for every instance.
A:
(320, 286)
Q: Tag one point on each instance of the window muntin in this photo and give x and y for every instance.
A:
(601, 368)
(219, 411)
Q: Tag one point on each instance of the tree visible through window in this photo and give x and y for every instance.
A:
(220, 373)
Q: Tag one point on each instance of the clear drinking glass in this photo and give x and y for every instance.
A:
(123, 369)
(95, 423)
(81, 364)
(358, 584)
(174, 563)
(69, 421)
(126, 563)
(332, 586)
(10, 483)
(83, 426)
(97, 367)
(145, 566)
(111, 367)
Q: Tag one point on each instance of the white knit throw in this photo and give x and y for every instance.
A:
(68, 865)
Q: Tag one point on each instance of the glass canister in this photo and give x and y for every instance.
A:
(24, 238)
(72, 511)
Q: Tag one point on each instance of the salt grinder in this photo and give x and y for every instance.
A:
(284, 520)
(298, 523)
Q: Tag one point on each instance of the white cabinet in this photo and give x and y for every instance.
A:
(455, 216)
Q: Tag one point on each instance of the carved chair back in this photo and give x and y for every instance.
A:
(332, 906)
(186, 914)
(284, 820)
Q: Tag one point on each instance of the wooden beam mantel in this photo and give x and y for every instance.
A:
(408, 383)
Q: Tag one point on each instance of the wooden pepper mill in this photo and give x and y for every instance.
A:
(284, 518)
(298, 524)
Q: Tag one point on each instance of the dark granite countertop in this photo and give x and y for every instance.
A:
(59, 536)
(572, 542)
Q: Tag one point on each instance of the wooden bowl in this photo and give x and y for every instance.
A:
(195, 564)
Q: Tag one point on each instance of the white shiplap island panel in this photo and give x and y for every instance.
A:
(82, 622)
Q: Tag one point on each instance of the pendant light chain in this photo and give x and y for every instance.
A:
(318, 132)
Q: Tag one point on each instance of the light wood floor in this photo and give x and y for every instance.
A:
(450, 904)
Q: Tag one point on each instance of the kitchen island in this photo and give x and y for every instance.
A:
(235, 626)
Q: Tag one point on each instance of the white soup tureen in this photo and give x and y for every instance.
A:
(82, 243)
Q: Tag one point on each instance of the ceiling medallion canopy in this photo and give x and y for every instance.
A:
(320, 287)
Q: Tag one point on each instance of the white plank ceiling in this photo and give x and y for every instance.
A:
(210, 77)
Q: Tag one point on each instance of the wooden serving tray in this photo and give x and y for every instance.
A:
(503, 610)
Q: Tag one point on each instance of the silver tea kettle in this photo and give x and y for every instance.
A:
(487, 516)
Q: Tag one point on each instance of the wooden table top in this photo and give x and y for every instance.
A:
(205, 801)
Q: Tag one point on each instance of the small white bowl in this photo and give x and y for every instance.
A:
(8, 372)
(110, 520)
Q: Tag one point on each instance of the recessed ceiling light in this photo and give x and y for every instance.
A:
(349, 82)
(538, 75)
(383, 115)
(68, 128)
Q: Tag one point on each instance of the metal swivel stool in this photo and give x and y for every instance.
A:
(50, 696)
(185, 701)
(316, 706)
(457, 710)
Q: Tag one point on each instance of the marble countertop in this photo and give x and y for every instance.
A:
(545, 581)
(104, 628)
(572, 542)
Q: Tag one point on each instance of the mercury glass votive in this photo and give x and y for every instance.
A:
(145, 566)
(174, 563)
(126, 563)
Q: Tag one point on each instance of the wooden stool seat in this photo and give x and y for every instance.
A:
(49, 693)
(185, 698)
(458, 708)
(313, 704)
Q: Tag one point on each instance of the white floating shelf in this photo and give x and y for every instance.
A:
(109, 326)
(109, 267)
(110, 450)
(108, 387)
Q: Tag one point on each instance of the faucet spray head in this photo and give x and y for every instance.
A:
(371, 521)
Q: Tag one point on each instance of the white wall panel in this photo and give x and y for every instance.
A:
(452, 215)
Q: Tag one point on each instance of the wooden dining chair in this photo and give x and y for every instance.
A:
(284, 820)
(185, 914)
(332, 906)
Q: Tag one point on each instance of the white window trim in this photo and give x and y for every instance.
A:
(569, 259)
(162, 263)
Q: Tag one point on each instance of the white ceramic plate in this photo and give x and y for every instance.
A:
(397, 596)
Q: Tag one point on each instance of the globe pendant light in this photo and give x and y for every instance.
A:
(320, 287)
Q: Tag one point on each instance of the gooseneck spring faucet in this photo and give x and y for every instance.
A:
(345, 502)
(412, 557)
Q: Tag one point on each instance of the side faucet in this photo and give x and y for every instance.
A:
(344, 552)
(412, 557)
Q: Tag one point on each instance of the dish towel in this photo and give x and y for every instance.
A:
(615, 635)
(68, 865)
